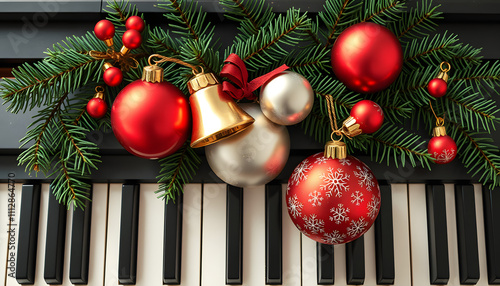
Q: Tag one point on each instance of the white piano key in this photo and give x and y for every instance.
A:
(191, 235)
(451, 222)
(402, 266)
(291, 247)
(150, 238)
(340, 265)
(213, 236)
(481, 244)
(370, 259)
(418, 230)
(11, 275)
(309, 264)
(42, 234)
(113, 235)
(254, 229)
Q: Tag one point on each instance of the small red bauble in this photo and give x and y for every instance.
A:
(113, 76)
(442, 148)
(132, 39)
(437, 87)
(367, 57)
(104, 30)
(151, 120)
(135, 23)
(97, 107)
(332, 201)
(368, 115)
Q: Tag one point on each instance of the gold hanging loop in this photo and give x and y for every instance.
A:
(445, 69)
(173, 60)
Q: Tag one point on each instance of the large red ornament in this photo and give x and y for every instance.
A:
(332, 201)
(113, 76)
(97, 107)
(368, 115)
(104, 30)
(442, 147)
(151, 120)
(132, 39)
(367, 57)
(135, 23)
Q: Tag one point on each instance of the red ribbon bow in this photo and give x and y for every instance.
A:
(236, 71)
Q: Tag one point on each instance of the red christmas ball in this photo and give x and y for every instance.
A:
(151, 120)
(113, 76)
(442, 148)
(97, 108)
(135, 23)
(132, 39)
(437, 87)
(367, 57)
(368, 115)
(332, 201)
(104, 30)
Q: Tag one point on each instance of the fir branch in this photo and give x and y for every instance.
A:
(69, 185)
(251, 15)
(484, 78)
(119, 12)
(266, 47)
(383, 11)
(338, 15)
(177, 170)
(417, 22)
(162, 43)
(189, 18)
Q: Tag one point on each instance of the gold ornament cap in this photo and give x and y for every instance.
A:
(439, 131)
(106, 66)
(99, 92)
(350, 127)
(443, 74)
(335, 150)
(152, 73)
(200, 81)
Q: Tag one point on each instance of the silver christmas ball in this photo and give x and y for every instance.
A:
(253, 157)
(287, 98)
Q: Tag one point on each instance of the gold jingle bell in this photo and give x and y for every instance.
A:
(215, 115)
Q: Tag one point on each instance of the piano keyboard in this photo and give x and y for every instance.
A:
(219, 234)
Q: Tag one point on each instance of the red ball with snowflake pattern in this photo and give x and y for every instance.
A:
(442, 148)
(332, 201)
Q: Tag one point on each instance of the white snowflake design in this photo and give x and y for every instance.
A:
(335, 182)
(321, 160)
(314, 224)
(365, 177)
(345, 162)
(339, 214)
(357, 227)
(315, 199)
(446, 156)
(334, 237)
(373, 206)
(357, 198)
(299, 174)
(294, 206)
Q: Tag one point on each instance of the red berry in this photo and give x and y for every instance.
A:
(132, 39)
(113, 76)
(97, 108)
(135, 23)
(437, 87)
(104, 30)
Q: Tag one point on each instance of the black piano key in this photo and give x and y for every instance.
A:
(80, 243)
(234, 235)
(325, 264)
(55, 239)
(28, 234)
(384, 239)
(491, 201)
(129, 225)
(355, 261)
(468, 257)
(439, 268)
(274, 265)
(172, 242)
